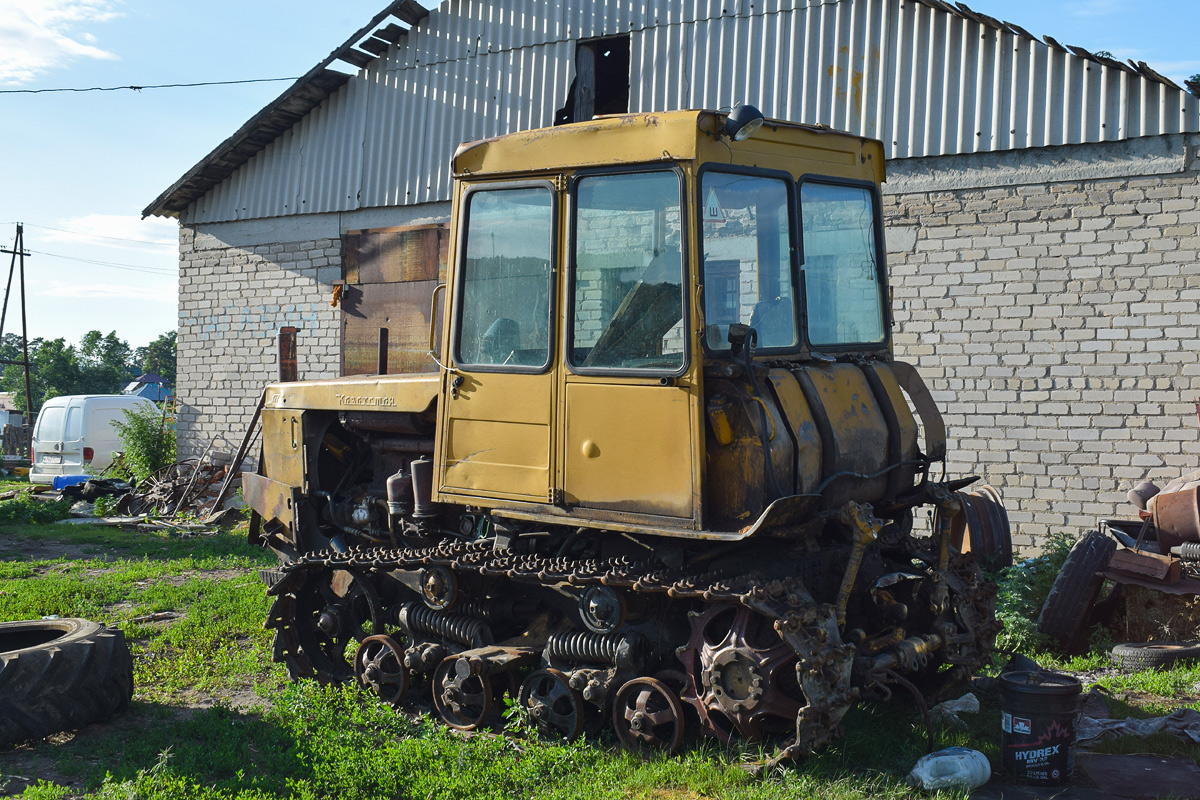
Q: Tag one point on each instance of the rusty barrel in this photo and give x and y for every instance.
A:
(1039, 712)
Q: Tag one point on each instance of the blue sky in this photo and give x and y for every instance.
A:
(75, 167)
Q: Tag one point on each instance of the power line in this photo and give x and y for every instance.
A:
(111, 264)
(140, 88)
(99, 236)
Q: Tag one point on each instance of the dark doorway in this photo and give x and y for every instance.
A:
(601, 84)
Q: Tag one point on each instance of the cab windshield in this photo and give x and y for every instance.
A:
(747, 259)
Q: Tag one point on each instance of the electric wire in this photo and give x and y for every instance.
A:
(140, 88)
(109, 264)
(99, 236)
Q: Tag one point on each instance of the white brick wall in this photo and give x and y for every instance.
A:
(232, 303)
(1057, 325)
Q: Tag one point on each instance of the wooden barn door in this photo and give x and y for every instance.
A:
(389, 276)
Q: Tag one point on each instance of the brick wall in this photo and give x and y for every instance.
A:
(232, 302)
(1056, 321)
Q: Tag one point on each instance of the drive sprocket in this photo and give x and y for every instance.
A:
(741, 674)
(320, 617)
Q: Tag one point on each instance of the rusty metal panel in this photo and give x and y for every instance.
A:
(402, 309)
(398, 254)
(288, 367)
(390, 276)
(273, 500)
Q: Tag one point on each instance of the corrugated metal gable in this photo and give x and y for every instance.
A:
(926, 78)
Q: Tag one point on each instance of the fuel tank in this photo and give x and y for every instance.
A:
(843, 431)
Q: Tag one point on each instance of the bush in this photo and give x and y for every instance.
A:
(149, 440)
(1023, 590)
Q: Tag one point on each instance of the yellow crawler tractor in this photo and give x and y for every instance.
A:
(666, 472)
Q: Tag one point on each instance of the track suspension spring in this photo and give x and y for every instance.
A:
(416, 618)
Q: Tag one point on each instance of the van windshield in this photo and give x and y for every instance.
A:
(50, 424)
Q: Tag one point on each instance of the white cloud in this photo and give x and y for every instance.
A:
(37, 36)
(120, 231)
(108, 291)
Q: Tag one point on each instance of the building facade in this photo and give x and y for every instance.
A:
(1041, 204)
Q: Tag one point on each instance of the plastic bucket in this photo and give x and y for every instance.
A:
(1039, 712)
(63, 481)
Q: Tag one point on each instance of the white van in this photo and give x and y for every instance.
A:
(74, 434)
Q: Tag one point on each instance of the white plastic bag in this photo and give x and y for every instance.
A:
(954, 766)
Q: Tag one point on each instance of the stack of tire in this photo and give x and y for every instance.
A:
(60, 674)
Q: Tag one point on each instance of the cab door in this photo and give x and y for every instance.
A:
(630, 403)
(499, 401)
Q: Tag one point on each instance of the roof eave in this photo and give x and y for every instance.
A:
(279, 115)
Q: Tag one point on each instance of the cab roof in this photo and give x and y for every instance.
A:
(666, 137)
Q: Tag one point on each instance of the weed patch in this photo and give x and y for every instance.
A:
(24, 510)
(1022, 591)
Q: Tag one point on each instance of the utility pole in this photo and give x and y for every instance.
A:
(18, 257)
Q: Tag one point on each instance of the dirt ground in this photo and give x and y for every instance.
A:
(25, 765)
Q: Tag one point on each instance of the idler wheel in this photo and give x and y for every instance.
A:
(648, 717)
(439, 587)
(554, 707)
(318, 617)
(464, 701)
(377, 665)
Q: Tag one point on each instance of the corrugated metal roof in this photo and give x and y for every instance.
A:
(926, 77)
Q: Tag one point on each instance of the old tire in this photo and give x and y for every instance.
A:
(1136, 656)
(60, 674)
(1065, 614)
(989, 535)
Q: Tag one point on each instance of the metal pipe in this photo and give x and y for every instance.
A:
(866, 526)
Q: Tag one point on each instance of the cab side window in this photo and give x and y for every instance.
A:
(747, 259)
(627, 287)
(843, 278)
(507, 267)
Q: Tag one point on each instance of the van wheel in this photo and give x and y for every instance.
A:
(60, 674)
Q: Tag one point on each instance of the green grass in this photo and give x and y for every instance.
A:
(337, 742)
(305, 741)
(217, 642)
(24, 510)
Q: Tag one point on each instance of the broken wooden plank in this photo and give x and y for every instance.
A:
(1155, 567)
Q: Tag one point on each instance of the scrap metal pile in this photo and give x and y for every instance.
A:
(1151, 565)
(192, 488)
(190, 485)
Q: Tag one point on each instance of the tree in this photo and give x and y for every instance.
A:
(1193, 84)
(100, 365)
(159, 356)
(53, 371)
(103, 363)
